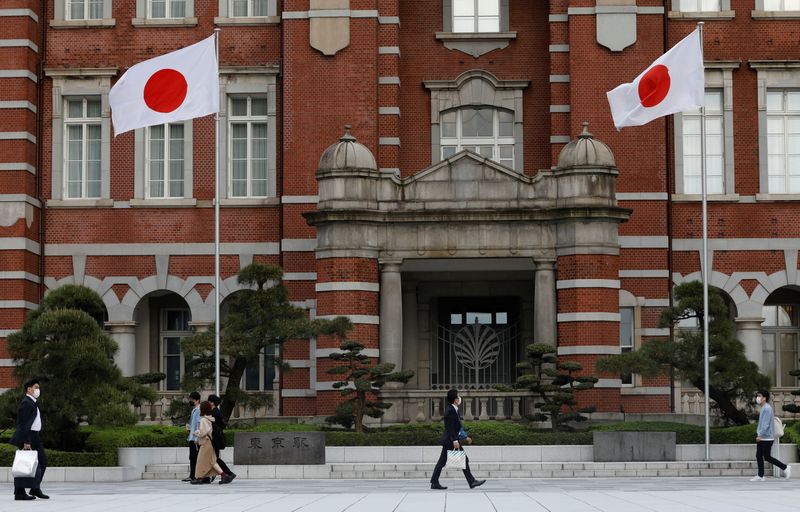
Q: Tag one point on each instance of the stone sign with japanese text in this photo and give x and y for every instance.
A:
(279, 448)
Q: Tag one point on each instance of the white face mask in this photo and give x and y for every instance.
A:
(759, 400)
(36, 393)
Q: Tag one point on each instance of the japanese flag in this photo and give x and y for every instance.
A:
(177, 86)
(673, 83)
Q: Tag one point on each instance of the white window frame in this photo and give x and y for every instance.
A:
(84, 122)
(775, 332)
(243, 82)
(141, 184)
(166, 141)
(784, 116)
(779, 5)
(95, 82)
(86, 9)
(711, 118)
(476, 16)
(624, 348)
(262, 375)
(249, 120)
(168, 15)
(163, 334)
(144, 16)
(495, 141)
(62, 15)
(250, 9)
(700, 5)
(472, 88)
(718, 77)
(448, 17)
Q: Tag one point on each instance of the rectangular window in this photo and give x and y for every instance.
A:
(248, 146)
(174, 327)
(84, 9)
(699, 5)
(248, 8)
(782, 5)
(626, 338)
(488, 132)
(260, 375)
(476, 15)
(162, 9)
(165, 161)
(783, 141)
(82, 133)
(714, 150)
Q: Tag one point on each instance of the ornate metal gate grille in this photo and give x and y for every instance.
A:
(474, 356)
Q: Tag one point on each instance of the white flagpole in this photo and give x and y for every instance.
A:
(216, 239)
(706, 271)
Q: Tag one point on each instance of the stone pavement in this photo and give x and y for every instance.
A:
(507, 495)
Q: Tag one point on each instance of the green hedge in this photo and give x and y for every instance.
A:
(57, 458)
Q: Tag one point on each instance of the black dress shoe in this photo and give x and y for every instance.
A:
(187, 479)
(23, 497)
(39, 494)
(200, 481)
(477, 483)
(438, 487)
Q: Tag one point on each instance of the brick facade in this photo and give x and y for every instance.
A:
(134, 253)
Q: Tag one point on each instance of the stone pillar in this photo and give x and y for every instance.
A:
(748, 331)
(124, 333)
(391, 314)
(410, 350)
(544, 302)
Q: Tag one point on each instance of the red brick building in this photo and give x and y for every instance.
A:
(448, 261)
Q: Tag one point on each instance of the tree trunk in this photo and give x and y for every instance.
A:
(358, 411)
(233, 387)
(728, 408)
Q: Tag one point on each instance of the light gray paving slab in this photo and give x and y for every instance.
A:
(514, 502)
(374, 502)
(553, 501)
(468, 502)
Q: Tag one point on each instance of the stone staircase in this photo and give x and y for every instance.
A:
(490, 470)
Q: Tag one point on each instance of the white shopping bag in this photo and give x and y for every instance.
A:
(456, 459)
(25, 464)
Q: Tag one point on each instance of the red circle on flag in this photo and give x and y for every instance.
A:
(165, 90)
(654, 86)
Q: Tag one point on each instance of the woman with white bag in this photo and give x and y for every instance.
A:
(26, 438)
(452, 452)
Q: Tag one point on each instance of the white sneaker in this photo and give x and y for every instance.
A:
(787, 473)
(757, 479)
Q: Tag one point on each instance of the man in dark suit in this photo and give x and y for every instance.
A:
(450, 441)
(26, 437)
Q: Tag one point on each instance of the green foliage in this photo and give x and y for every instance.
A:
(57, 458)
(734, 378)
(554, 384)
(260, 319)
(360, 381)
(63, 345)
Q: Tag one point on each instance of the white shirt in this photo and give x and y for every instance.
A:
(37, 423)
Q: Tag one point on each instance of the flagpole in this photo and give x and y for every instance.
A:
(216, 237)
(705, 270)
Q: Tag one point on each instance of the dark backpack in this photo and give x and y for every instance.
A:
(218, 440)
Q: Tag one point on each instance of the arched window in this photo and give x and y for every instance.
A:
(780, 334)
(485, 130)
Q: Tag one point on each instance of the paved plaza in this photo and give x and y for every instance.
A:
(508, 495)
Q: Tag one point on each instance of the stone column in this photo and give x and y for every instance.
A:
(124, 333)
(544, 302)
(748, 331)
(410, 356)
(391, 311)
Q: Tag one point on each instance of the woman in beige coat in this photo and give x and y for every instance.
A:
(206, 458)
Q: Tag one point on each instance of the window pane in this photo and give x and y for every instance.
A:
(463, 7)
(239, 7)
(793, 101)
(172, 368)
(788, 355)
(774, 101)
(74, 109)
(95, 9)
(456, 319)
(177, 8)
(479, 318)
(269, 367)
(448, 124)
(76, 10)
(506, 123)
(463, 24)
(486, 151)
(626, 327)
(259, 188)
(258, 106)
(488, 24)
(158, 9)
(259, 7)
(252, 377)
(489, 7)
(239, 107)
(448, 151)
(476, 122)
(501, 318)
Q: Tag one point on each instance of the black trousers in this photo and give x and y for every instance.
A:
(20, 484)
(193, 451)
(763, 451)
(440, 465)
(224, 467)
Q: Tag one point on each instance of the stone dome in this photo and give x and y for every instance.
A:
(586, 151)
(347, 154)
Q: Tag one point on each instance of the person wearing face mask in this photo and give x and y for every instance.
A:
(194, 424)
(765, 436)
(26, 437)
(450, 441)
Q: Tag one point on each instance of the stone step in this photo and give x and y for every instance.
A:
(484, 469)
